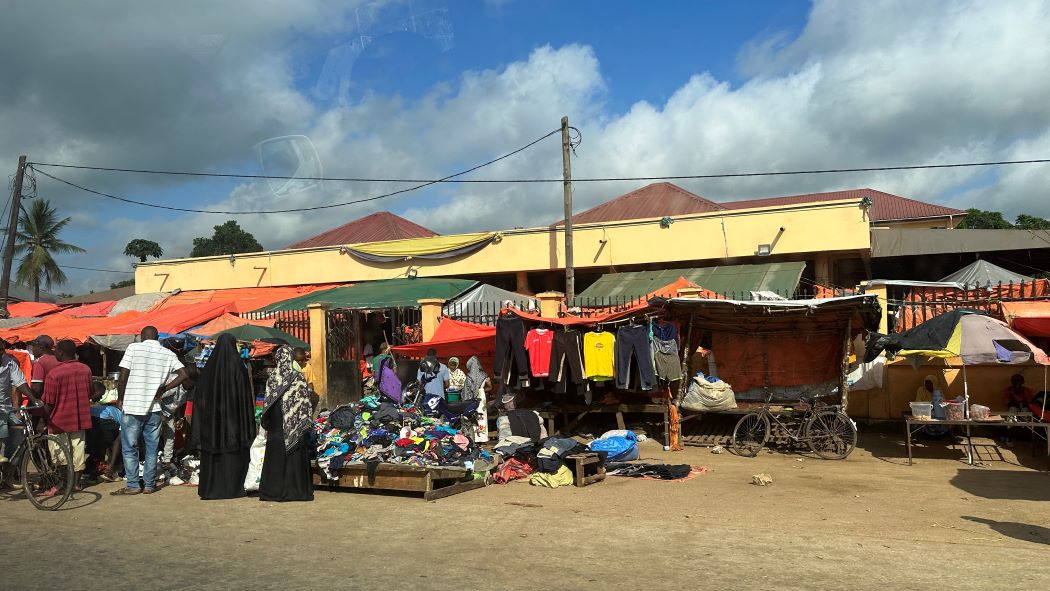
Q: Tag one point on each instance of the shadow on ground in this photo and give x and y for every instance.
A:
(1004, 484)
(1021, 531)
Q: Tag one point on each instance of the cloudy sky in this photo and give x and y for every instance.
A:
(421, 89)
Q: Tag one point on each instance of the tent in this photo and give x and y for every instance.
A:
(227, 321)
(31, 309)
(249, 333)
(486, 300)
(1028, 318)
(966, 334)
(242, 299)
(453, 338)
(87, 310)
(377, 295)
(982, 273)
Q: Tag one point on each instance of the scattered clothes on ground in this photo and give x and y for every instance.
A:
(512, 469)
(563, 477)
(652, 471)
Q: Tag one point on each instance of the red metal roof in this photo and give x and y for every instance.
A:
(376, 227)
(651, 201)
(663, 199)
(884, 206)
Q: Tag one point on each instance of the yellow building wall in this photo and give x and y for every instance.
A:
(901, 381)
(807, 229)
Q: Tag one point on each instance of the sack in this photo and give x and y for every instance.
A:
(619, 449)
(512, 469)
(705, 396)
(389, 383)
(256, 455)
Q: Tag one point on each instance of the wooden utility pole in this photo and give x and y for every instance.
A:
(566, 173)
(12, 232)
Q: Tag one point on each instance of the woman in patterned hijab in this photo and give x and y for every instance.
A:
(287, 420)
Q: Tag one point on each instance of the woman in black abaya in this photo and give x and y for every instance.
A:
(287, 420)
(223, 422)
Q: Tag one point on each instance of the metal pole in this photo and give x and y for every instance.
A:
(12, 232)
(566, 172)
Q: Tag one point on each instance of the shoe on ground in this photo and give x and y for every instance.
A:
(51, 492)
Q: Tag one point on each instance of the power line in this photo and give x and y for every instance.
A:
(100, 270)
(313, 208)
(452, 179)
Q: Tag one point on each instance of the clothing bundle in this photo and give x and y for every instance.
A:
(651, 471)
(543, 462)
(373, 432)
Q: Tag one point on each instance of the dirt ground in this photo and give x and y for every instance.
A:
(869, 522)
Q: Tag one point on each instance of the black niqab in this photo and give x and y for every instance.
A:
(223, 404)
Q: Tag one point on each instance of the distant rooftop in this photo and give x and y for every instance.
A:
(377, 227)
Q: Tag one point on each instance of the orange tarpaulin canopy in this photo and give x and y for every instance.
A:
(31, 309)
(243, 299)
(61, 327)
(96, 309)
(453, 338)
(1028, 318)
(172, 319)
(227, 321)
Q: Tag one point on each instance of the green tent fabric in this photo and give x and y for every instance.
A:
(248, 333)
(374, 295)
(781, 278)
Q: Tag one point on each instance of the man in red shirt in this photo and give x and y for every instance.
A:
(43, 348)
(67, 392)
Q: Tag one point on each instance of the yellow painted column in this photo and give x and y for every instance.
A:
(550, 303)
(880, 292)
(690, 292)
(430, 309)
(822, 269)
(319, 347)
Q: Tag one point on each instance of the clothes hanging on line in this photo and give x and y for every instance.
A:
(566, 363)
(510, 350)
(665, 357)
(538, 342)
(598, 355)
(632, 347)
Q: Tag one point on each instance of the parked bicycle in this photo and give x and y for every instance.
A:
(824, 428)
(44, 464)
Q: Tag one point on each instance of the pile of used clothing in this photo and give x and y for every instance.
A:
(541, 461)
(372, 432)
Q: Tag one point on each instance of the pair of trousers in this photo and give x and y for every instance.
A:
(147, 427)
(632, 344)
(168, 430)
(566, 361)
(77, 447)
(510, 346)
(13, 433)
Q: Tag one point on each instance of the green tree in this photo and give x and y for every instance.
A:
(122, 283)
(977, 219)
(36, 241)
(229, 238)
(1031, 222)
(142, 249)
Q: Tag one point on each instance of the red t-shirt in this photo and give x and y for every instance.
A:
(68, 390)
(43, 366)
(538, 342)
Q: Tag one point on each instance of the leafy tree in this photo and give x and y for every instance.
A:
(229, 238)
(122, 283)
(1031, 222)
(142, 249)
(977, 219)
(36, 242)
(64, 296)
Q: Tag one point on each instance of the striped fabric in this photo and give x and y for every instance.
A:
(150, 366)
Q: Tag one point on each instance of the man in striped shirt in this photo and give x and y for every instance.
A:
(144, 373)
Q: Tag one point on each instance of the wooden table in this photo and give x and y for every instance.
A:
(433, 482)
(1025, 419)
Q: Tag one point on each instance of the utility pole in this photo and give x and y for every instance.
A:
(12, 232)
(566, 173)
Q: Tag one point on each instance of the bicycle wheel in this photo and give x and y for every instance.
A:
(831, 435)
(47, 472)
(750, 434)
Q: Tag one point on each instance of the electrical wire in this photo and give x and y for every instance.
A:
(300, 209)
(573, 143)
(100, 270)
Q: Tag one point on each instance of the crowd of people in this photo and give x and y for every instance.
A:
(130, 432)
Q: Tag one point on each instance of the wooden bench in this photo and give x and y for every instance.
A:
(580, 463)
(433, 482)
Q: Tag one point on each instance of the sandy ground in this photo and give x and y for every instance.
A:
(869, 522)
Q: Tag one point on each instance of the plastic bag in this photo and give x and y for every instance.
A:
(256, 455)
(620, 449)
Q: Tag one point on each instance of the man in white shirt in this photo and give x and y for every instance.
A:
(144, 373)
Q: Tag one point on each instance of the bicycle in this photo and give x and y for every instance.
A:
(44, 462)
(826, 429)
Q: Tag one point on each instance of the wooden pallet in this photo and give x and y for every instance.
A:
(433, 482)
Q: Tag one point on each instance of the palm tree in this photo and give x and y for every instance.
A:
(37, 240)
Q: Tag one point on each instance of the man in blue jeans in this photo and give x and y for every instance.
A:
(144, 373)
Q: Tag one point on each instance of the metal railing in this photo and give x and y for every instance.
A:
(920, 304)
(293, 322)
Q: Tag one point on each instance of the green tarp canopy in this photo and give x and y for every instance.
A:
(781, 278)
(374, 295)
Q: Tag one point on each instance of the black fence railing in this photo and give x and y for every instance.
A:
(910, 306)
(293, 322)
